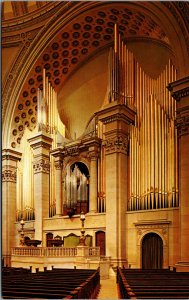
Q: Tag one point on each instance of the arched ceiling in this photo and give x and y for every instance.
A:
(76, 42)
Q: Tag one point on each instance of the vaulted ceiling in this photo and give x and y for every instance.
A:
(76, 41)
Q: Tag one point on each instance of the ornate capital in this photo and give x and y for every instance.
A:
(182, 121)
(58, 165)
(41, 166)
(93, 155)
(9, 175)
(117, 144)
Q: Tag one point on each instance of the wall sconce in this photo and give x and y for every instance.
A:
(22, 223)
(82, 237)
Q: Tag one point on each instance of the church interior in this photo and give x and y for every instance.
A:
(95, 135)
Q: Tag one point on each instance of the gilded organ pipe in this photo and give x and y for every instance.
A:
(153, 157)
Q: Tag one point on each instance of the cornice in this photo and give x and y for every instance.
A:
(152, 222)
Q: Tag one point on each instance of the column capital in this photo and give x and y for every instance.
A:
(93, 155)
(118, 143)
(41, 165)
(58, 164)
(9, 175)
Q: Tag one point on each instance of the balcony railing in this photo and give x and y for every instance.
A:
(51, 251)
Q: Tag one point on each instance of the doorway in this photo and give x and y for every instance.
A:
(100, 242)
(152, 251)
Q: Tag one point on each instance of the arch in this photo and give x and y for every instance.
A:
(168, 18)
(49, 238)
(100, 240)
(152, 251)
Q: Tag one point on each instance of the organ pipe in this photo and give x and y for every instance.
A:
(153, 140)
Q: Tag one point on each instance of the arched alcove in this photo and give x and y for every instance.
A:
(76, 189)
(152, 251)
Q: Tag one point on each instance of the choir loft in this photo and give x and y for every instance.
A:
(95, 134)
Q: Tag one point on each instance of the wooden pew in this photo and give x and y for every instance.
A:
(52, 284)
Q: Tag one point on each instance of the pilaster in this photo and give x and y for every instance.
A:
(93, 155)
(58, 160)
(9, 178)
(41, 144)
(116, 119)
(180, 91)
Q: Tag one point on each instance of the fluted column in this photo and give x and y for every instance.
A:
(9, 179)
(93, 154)
(58, 179)
(41, 144)
(180, 91)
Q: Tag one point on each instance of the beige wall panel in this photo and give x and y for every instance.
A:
(153, 221)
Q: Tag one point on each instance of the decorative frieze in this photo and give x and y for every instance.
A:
(158, 226)
(117, 144)
(177, 95)
(41, 166)
(9, 176)
(116, 117)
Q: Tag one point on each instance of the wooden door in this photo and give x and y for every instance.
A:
(100, 241)
(152, 251)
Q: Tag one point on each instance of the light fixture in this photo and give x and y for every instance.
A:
(82, 237)
(22, 223)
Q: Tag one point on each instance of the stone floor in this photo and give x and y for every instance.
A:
(108, 288)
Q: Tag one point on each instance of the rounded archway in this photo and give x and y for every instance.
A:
(152, 251)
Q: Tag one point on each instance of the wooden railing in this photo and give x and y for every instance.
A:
(51, 251)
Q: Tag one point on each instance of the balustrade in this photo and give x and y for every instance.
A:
(52, 251)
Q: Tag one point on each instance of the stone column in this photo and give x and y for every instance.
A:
(41, 144)
(116, 119)
(93, 154)
(9, 176)
(58, 177)
(180, 91)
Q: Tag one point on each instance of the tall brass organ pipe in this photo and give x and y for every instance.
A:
(153, 138)
(48, 120)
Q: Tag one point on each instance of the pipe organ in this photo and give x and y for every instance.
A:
(153, 139)
(48, 120)
(76, 187)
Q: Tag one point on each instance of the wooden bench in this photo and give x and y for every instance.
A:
(151, 284)
(52, 284)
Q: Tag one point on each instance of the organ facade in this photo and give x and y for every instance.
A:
(97, 126)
